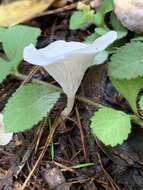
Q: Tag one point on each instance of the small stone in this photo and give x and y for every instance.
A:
(130, 13)
(53, 177)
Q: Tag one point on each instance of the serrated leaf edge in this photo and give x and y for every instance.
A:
(111, 144)
(34, 123)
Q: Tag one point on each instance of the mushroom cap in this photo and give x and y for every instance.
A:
(67, 62)
(130, 13)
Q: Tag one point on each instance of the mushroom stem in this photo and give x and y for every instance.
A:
(69, 107)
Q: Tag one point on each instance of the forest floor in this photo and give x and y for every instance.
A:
(74, 160)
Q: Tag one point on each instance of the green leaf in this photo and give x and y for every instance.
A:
(121, 31)
(106, 6)
(77, 20)
(98, 19)
(111, 126)
(121, 34)
(100, 57)
(81, 19)
(2, 30)
(91, 38)
(127, 62)
(138, 38)
(5, 69)
(141, 103)
(116, 23)
(27, 106)
(101, 31)
(83, 7)
(16, 38)
(129, 89)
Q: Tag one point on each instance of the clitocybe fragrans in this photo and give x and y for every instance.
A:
(5, 138)
(67, 62)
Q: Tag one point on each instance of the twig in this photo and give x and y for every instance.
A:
(29, 76)
(31, 147)
(86, 100)
(113, 184)
(81, 135)
(66, 168)
(80, 98)
(62, 9)
(54, 127)
(39, 133)
(20, 76)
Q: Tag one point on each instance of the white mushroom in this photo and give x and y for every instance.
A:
(130, 13)
(67, 62)
(5, 138)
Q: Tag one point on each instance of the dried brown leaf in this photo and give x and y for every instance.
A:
(20, 11)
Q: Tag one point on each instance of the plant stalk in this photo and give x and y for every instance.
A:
(136, 120)
(86, 100)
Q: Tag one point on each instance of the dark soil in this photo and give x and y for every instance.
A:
(113, 168)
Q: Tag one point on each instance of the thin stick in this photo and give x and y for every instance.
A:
(81, 135)
(65, 168)
(86, 100)
(33, 71)
(113, 184)
(62, 9)
(20, 76)
(39, 133)
(53, 129)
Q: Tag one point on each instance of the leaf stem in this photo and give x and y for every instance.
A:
(20, 76)
(86, 100)
(136, 120)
